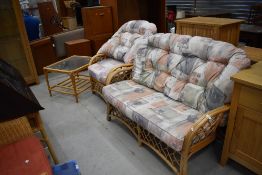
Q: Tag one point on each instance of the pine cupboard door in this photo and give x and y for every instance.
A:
(246, 146)
(14, 45)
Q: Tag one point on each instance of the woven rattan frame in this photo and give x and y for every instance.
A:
(201, 134)
(14, 130)
(119, 73)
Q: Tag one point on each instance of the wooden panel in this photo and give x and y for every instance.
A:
(249, 98)
(43, 53)
(49, 18)
(97, 42)
(78, 47)
(114, 7)
(246, 140)
(255, 54)
(125, 10)
(97, 21)
(217, 28)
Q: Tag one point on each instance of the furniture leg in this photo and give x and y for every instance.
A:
(47, 82)
(72, 77)
(40, 127)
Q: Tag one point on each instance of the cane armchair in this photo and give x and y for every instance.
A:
(116, 53)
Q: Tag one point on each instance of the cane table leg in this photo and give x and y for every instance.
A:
(72, 77)
(47, 82)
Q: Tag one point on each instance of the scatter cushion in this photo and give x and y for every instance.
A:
(193, 70)
(167, 119)
(101, 69)
(24, 157)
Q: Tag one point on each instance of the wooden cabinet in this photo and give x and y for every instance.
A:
(43, 53)
(126, 10)
(98, 25)
(244, 131)
(223, 29)
(80, 47)
(14, 43)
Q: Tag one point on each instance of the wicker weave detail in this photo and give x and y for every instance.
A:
(200, 135)
(14, 130)
(116, 114)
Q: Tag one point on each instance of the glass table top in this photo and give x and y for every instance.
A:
(71, 63)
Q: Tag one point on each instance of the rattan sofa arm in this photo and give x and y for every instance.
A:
(202, 129)
(96, 58)
(120, 73)
(13, 130)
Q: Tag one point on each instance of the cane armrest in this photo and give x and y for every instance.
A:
(203, 129)
(119, 73)
(96, 58)
(11, 131)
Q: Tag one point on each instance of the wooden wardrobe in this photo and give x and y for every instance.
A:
(14, 43)
(125, 10)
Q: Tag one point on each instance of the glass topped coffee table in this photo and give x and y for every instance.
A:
(76, 83)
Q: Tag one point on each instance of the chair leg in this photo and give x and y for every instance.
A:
(40, 127)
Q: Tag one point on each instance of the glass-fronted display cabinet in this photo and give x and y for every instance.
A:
(14, 44)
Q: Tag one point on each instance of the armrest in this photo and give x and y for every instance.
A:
(206, 126)
(96, 58)
(120, 73)
(13, 130)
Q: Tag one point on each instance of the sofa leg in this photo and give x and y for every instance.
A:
(109, 109)
(139, 140)
(183, 165)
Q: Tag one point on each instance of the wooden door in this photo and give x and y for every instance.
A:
(247, 139)
(14, 43)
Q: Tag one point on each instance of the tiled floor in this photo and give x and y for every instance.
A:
(80, 131)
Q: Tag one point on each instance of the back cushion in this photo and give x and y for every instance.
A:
(119, 45)
(193, 70)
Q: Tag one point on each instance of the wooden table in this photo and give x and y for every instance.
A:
(254, 54)
(223, 29)
(72, 66)
(244, 130)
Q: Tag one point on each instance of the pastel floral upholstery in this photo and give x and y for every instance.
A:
(118, 47)
(101, 69)
(193, 70)
(176, 79)
(167, 119)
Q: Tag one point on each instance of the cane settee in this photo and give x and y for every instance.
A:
(20, 151)
(178, 94)
(115, 53)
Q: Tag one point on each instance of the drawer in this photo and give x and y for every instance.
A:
(97, 20)
(251, 98)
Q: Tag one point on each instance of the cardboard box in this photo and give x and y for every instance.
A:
(69, 22)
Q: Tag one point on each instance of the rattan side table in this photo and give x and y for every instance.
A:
(76, 83)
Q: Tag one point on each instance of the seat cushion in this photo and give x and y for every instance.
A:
(162, 116)
(24, 157)
(100, 70)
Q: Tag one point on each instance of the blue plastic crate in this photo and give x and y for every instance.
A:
(69, 168)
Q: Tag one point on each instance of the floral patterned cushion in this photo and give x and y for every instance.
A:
(118, 46)
(167, 119)
(101, 69)
(193, 70)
